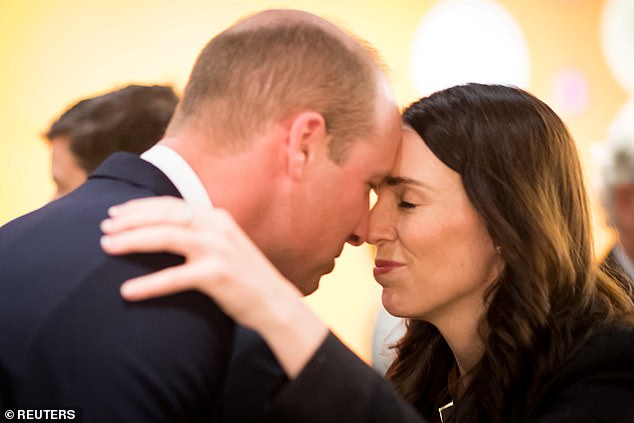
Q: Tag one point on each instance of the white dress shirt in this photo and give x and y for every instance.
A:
(180, 174)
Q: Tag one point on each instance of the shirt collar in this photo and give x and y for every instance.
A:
(180, 173)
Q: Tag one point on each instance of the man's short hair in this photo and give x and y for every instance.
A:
(129, 119)
(246, 79)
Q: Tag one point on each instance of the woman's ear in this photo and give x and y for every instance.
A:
(307, 134)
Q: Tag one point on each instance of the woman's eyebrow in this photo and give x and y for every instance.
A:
(401, 180)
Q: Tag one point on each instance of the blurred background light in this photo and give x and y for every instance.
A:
(570, 92)
(460, 41)
(617, 40)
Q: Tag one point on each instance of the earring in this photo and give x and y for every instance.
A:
(498, 250)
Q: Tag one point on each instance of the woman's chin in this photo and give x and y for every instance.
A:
(392, 305)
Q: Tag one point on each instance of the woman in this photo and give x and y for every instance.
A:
(483, 242)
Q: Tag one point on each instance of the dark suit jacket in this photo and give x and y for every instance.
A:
(68, 339)
(595, 384)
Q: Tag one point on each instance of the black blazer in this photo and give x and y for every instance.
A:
(595, 384)
(68, 339)
(335, 386)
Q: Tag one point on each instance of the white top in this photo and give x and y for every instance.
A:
(180, 174)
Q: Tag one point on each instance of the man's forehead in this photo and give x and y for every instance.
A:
(380, 156)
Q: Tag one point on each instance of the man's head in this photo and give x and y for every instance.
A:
(273, 65)
(305, 113)
(129, 119)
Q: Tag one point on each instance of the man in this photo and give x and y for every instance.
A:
(617, 196)
(130, 119)
(286, 122)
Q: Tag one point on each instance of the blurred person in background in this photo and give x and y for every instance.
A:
(129, 119)
(616, 192)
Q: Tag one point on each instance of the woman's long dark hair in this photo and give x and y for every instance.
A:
(520, 169)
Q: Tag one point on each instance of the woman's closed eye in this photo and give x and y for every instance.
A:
(406, 205)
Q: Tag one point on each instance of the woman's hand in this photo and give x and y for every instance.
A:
(220, 261)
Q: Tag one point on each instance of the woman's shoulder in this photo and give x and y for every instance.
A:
(608, 349)
(610, 341)
(596, 381)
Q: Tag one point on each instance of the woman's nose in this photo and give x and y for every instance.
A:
(380, 225)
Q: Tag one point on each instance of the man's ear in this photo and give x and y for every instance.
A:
(624, 205)
(307, 133)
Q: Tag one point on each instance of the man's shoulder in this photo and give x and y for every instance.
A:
(81, 343)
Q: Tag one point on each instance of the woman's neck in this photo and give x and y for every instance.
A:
(463, 336)
(467, 354)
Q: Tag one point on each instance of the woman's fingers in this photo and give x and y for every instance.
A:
(147, 211)
(151, 239)
(164, 282)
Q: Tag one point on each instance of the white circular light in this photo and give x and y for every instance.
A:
(461, 41)
(617, 40)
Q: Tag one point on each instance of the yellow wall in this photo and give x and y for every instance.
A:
(55, 52)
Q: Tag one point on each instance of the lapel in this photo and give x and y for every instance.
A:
(132, 169)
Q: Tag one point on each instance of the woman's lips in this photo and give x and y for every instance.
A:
(384, 266)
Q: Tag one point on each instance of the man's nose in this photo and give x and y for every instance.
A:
(360, 234)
